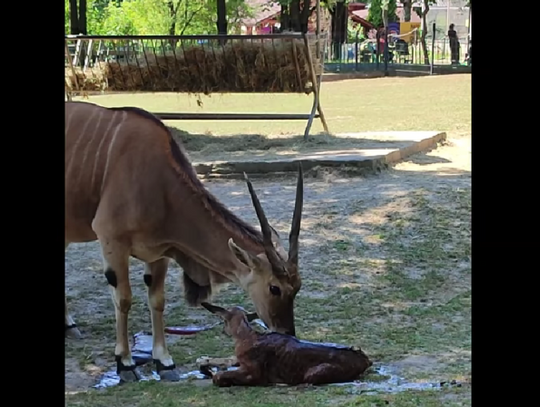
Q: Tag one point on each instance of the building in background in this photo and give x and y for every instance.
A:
(266, 13)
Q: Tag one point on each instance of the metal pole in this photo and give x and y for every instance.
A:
(386, 51)
(318, 27)
(432, 50)
(356, 51)
(385, 22)
(378, 49)
(469, 30)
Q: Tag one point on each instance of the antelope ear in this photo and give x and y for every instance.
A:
(214, 309)
(276, 241)
(243, 256)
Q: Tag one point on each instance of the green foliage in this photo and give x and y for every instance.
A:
(66, 17)
(158, 17)
(375, 12)
(352, 30)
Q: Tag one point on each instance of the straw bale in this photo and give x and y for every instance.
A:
(236, 67)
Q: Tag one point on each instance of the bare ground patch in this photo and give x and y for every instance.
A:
(385, 263)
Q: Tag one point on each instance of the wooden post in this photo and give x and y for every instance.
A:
(316, 102)
(70, 63)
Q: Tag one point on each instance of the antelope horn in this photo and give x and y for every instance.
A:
(265, 228)
(297, 217)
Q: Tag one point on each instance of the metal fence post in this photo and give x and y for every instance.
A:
(356, 51)
(432, 50)
(378, 48)
(386, 51)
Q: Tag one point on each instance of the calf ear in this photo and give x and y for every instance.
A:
(243, 256)
(214, 309)
(252, 316)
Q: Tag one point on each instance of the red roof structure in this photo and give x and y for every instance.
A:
(263, 11)
(266, 12)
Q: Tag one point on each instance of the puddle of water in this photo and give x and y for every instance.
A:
(195, 374)
(189, 330)
(394, 384)
(110, 379)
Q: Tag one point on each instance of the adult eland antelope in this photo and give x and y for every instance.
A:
(130, 186)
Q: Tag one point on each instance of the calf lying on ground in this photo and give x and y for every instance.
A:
(272, 358)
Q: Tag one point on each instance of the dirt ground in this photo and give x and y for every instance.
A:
(336, 209)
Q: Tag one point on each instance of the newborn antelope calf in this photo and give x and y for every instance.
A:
(272, 358)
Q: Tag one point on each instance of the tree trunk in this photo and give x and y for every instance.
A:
(222, 20)
(407, 7)
(82, 17)
(221, 17)
(339, 27)
(172, 12)
(73, 17)
(304, 16)
(385, 23)
(295, 18)
(425, 31)
(285, 23)
(294, 10)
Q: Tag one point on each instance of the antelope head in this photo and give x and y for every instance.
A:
(273, 279)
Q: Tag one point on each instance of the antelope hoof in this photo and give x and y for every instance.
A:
(73, 332)
(167, 373)
(127, 374)
(130, 376)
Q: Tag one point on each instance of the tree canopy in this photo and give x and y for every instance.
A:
(375, 16)
(159, 17)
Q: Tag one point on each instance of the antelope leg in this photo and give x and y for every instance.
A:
(154, 278)
(116, 259)
(71, 330)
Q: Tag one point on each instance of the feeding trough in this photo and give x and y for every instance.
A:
(200, 65)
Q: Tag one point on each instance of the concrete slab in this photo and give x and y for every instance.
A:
(382, 150)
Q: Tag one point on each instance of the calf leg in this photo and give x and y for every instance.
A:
(240, 377)
(154, 278)
(328, 373)
(71, 330)
(116, 264)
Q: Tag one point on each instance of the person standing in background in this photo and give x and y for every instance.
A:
(454, 44)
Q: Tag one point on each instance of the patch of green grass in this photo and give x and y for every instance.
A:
(342, 245)
(153, 394)
(355, 105)
(402, 293)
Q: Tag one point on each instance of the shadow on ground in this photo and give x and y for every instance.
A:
(385, 264)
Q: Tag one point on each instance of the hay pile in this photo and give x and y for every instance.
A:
(235, 67)
(89, 80)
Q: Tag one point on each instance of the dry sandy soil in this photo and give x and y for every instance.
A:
(337, 208)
